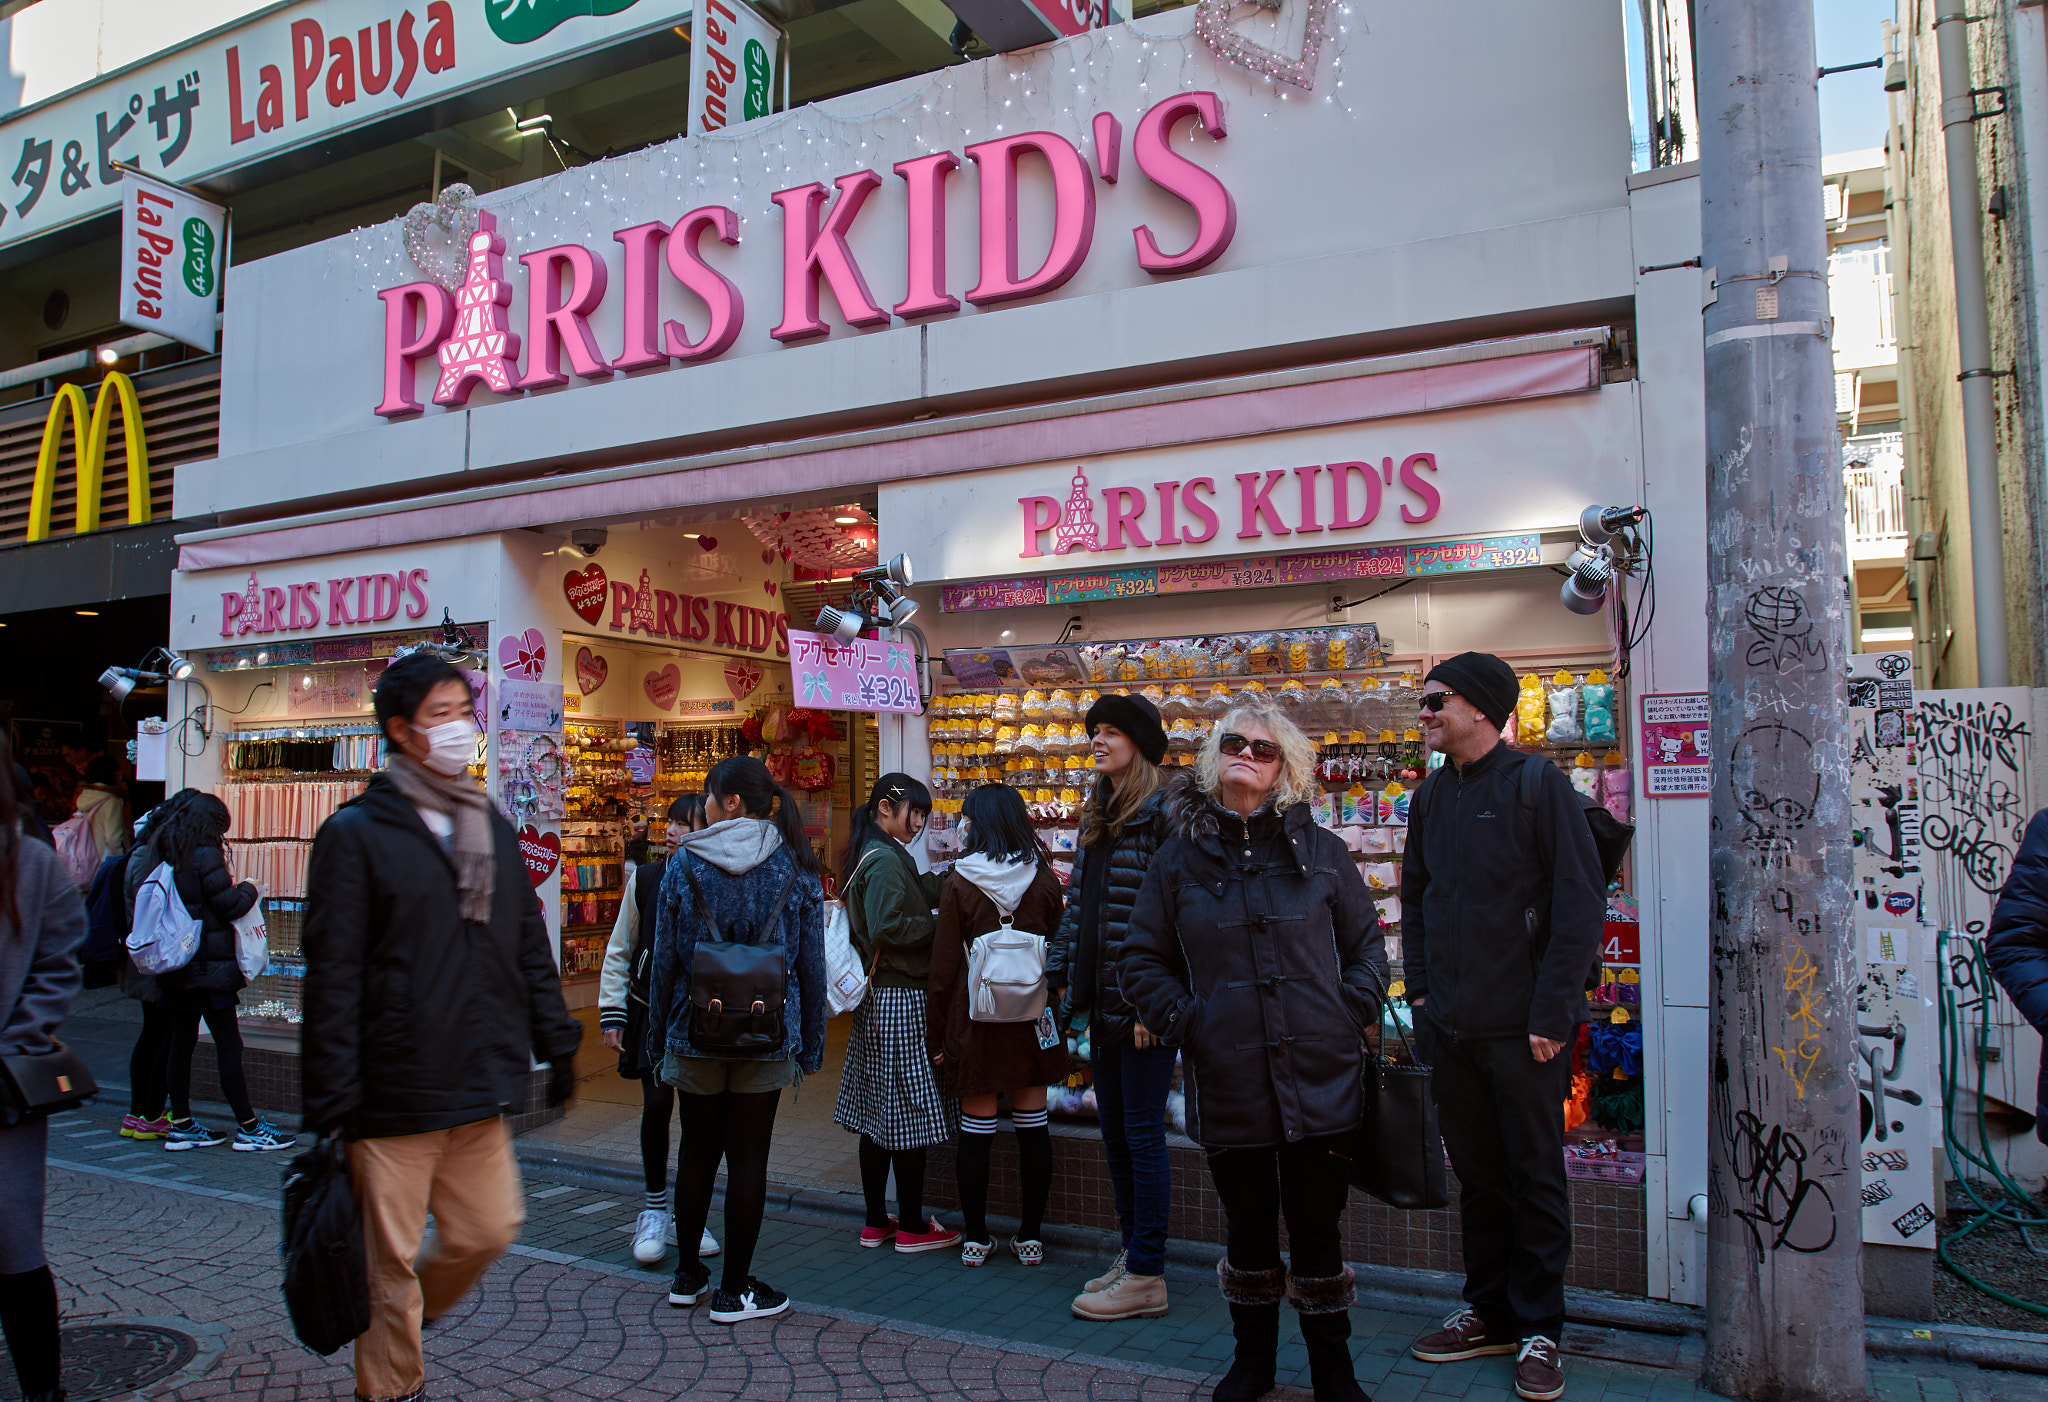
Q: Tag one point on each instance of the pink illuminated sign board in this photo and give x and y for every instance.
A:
(264, 609)
(469, 334)
(867, 674)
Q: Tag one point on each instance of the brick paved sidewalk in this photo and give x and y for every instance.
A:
(136, 1233)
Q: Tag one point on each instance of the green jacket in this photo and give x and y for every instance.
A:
(889, 905)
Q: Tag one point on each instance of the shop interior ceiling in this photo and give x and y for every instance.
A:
(737, 553)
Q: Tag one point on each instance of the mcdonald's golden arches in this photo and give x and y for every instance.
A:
(90, 438)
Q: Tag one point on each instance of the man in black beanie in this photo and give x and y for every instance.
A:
(1502, 902)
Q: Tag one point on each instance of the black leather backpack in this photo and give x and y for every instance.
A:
(738, 985)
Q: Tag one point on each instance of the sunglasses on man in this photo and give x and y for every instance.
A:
(1433, 701)
(1264, 751)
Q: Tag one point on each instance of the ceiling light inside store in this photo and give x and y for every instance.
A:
(846, 520)
(88, 613)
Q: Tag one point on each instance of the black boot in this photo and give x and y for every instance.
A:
(1254, 1299)
(28, 1313)
(1325, 1304)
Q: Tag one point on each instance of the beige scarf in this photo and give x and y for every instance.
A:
(473, 847)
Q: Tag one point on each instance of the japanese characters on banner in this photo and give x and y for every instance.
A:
(732, 66)
(1896, 1062)
(290, 76)
(867, 674)
(1677, 746)
(173, 252)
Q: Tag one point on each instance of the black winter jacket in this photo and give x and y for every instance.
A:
(416, 1019)
(1093, 987)
(1257, 951)
(212, 977)
(2017, 946)
(1500, 918)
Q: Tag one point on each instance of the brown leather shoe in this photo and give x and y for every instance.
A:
(1463, 1336)
(1537, 1374)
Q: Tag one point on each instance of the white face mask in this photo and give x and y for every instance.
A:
(450, 747)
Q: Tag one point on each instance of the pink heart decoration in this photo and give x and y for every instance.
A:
(663, 687)
(742, 678)
(707, 543)
(523, 654)
(540, 851)
(769, 585)
(591, 670)
(1213, 27)
(768, 556)
(586, 590)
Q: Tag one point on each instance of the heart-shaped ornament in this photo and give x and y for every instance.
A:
(741, 678)
(663, 687)
(523, 654)
(770, 586)
(585, 589)
(541, 851)
(707, 543)
(1213, 27)
(591, 670)
(437, 235)
(768, 556)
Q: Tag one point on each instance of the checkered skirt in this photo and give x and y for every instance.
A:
(887, 1091)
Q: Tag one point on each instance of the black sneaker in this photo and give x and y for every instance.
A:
(756, 1301)
(691, 1283)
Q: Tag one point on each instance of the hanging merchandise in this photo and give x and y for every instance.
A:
(1598, 698)
(1563, 696)
(1529, 710)
(533, 776)
(812, 770)
(1585, 775)
(1616, 792)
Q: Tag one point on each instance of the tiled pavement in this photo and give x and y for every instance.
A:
(192, 1236)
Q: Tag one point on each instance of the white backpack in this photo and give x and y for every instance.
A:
(846, 983)
(165, 935)
(1006, 975)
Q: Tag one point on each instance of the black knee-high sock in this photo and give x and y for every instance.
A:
(28, 1316)
(909, 1166)
(1034, 1170)
(970, 1167)
(874, 1184)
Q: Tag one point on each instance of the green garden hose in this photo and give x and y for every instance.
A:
(2013, 1206)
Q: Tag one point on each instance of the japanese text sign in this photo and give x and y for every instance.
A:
(1677, 746)
(867, 674)
(172, 255)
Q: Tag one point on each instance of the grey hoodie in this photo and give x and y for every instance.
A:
(737, 845)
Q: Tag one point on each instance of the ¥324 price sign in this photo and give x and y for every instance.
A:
(867, 674)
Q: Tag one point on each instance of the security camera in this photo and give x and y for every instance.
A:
(589, 539)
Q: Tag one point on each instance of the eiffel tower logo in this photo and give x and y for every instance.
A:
(481, 347)
(643, 606)
(252, 610)
(1077, 526)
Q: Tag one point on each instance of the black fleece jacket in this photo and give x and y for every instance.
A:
(1500, 916)
(417, 1019)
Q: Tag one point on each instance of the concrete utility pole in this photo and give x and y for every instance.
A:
(1785, 1252)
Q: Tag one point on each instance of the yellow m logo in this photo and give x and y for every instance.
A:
(90, 438)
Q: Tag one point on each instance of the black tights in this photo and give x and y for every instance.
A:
(227, 1056)
(657, 1103)
(875, 1163)
(150, 1063)
(28, 1315)
(737, 1128)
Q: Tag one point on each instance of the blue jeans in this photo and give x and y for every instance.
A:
(1130, 1100)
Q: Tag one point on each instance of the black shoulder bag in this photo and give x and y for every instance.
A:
(33, 1086)
(738, 986)
(1400, 1153)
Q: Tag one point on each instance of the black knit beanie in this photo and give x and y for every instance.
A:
(1484, 680)
(1134, 716)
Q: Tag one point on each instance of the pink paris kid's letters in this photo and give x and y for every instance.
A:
(469, 332)
(364, 598)
(1186, 513)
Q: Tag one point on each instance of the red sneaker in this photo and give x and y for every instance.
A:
(934, 1238)
(876, 1236)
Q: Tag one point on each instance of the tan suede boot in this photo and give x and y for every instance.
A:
(1126, 1297)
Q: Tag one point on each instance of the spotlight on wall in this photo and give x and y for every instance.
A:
(896, 571)
(1591, 571)
(843, 625)
(174, 667)
(1600, 524)
(119, 681)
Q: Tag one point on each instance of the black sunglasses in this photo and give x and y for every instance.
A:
(1433, 701)
(1264, 751)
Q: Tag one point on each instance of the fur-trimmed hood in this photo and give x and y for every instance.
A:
(1200, 820)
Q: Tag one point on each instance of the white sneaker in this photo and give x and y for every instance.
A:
(706, 1245)
(651, 1235)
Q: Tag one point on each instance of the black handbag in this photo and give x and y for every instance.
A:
(738, 986)
(326, 1274)
(35, 1086)
(1400, 1154)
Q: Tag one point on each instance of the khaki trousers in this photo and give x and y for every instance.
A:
(469, 1179)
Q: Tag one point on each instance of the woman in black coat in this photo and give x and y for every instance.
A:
(1255, 948)
(205, 987)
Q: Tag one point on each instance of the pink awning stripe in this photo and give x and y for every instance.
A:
(1423, 390)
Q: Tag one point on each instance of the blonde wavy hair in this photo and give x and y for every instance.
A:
(1297, 782)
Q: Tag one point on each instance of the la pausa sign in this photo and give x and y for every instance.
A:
(662, 613)
(1337, 496)
(468, 333)
(264, 609)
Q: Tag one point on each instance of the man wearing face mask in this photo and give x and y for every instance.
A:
(429, 982)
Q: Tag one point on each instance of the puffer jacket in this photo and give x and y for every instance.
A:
(217, 901)
(2017, 946)
(740, 865)
(1255, 948)
(1092, 986)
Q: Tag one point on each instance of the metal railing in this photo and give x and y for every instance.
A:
(1875, 494)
